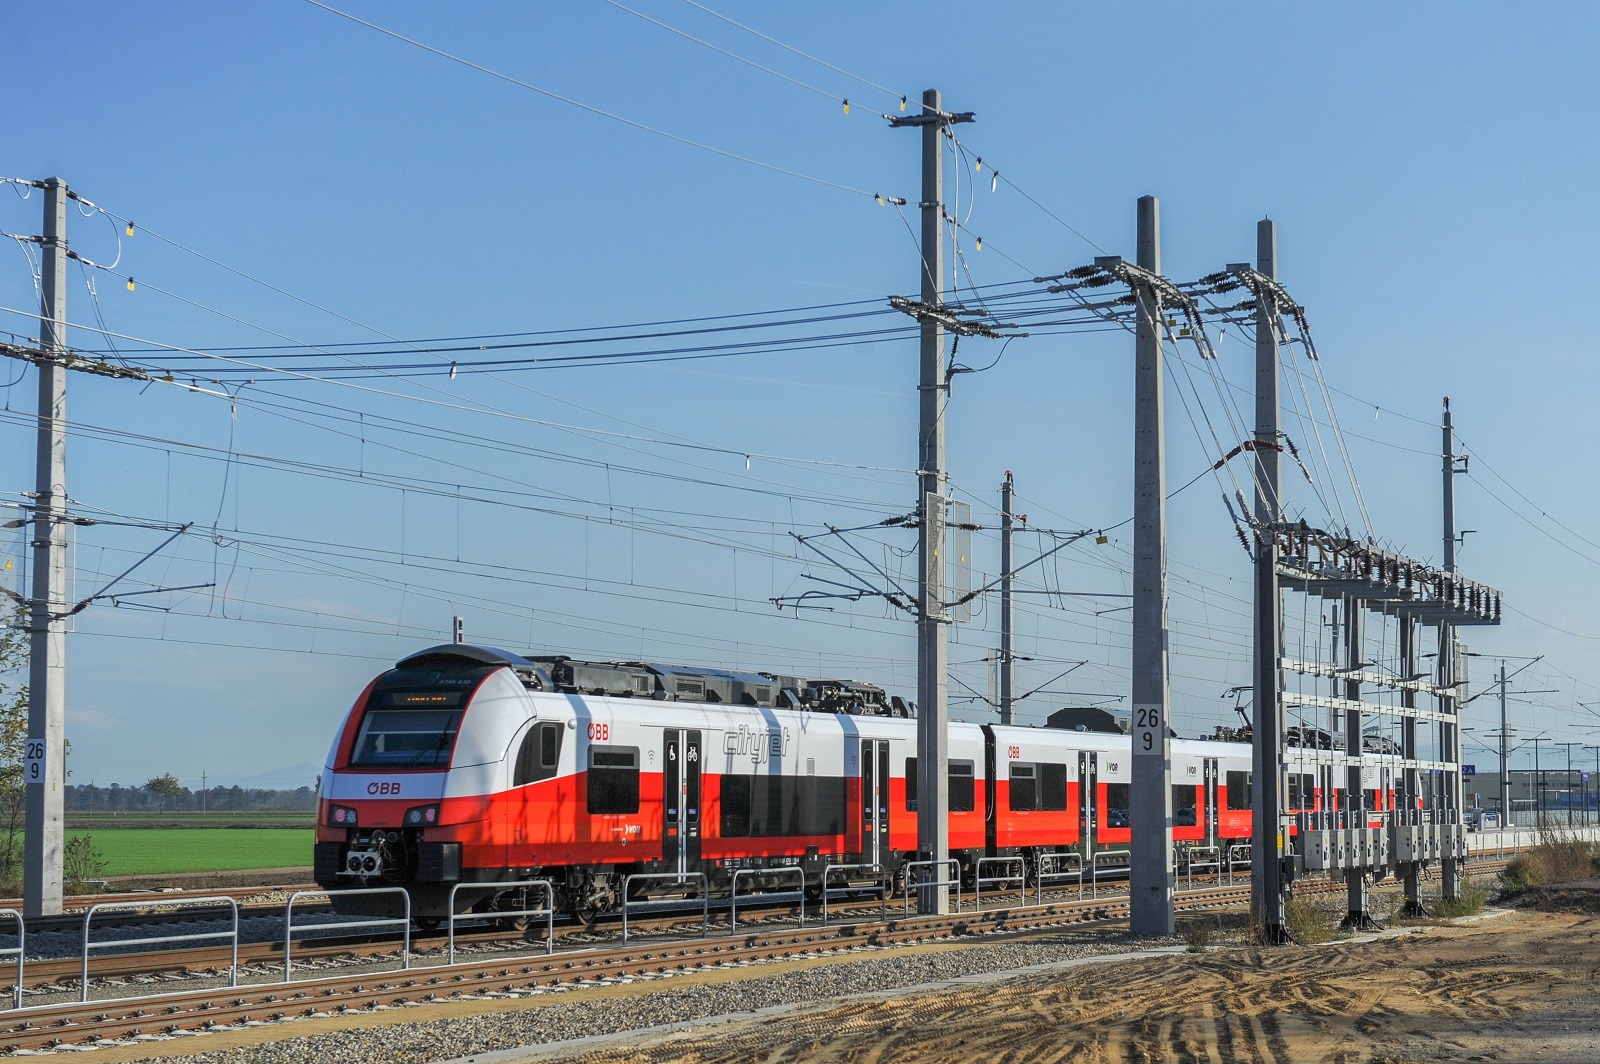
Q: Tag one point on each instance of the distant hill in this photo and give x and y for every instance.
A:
(301, 774)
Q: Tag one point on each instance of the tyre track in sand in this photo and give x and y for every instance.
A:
(1446, 993)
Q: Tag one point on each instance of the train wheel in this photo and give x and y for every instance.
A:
(428, 924)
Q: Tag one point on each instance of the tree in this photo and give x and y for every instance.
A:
(164, 787)
(13, 740)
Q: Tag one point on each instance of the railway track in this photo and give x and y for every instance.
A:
(87, 1024)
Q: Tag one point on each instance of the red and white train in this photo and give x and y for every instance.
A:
(466, 764)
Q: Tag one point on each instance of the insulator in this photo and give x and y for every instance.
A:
(1080, 272)
(1213, 278)
(1098, 282)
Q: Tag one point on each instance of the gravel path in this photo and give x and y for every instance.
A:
(631, 1005)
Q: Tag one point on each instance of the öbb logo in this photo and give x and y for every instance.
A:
(383, 788)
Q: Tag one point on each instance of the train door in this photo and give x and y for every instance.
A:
(680, 800)
(1088, 814)
(874, 763)
(1211, 801)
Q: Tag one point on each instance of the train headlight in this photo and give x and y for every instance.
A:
(422, 816)
(342, 816)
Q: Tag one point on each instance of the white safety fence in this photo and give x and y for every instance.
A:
(232, 934)
(671, 905)
(1059, 868)
(365, 923)
(1012, 870)
(854, 871)
(915, 883)
(548, 910)
(778, 873)
(17, 951)
(1108, 860)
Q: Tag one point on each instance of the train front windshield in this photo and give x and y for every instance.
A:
(409, 729)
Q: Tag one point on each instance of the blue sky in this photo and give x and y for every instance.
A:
(1426, 166)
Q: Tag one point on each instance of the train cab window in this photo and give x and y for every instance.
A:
(539, 754)
(1239, 795)
(1052, 786)
(1024, 787)
(960, 786)
(408, 729)
(613, 779)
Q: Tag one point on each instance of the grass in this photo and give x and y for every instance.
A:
(154, 851)
(83, 820)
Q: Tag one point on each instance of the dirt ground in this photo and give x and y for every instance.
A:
(1516, 987)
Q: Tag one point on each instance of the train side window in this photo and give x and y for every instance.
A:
(1302, 791)
(1239, 794)
(960, 785)
(1118, 795)
(539, 755)
(1024, 787)
(1183, 806)
(613, 779)
(1052, 786)
(736, 807)
(911, 784)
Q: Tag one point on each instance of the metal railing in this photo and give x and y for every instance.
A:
(1241, 853)
(1123, 861)
(674, 877)
(882, 886)
(193, 936)
(364, 922)
(1020, 877)
(1050, 871)
(548, 911)
(1195, 857)
(912, 883)
(22, 941)
(782, 872)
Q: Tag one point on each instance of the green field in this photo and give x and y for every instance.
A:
(145, 851)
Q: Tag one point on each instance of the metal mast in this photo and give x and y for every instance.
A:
(933, 649)
(45, 764)
(1151, 883)
(1007, 663)
(1450, 730)
(1268, 889)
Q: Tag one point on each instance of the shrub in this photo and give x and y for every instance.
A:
(1198, 932)
(1559, 856)
(1474, 895)
(1306, 923)
(81, 862)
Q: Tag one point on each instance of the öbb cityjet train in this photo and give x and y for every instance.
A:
(467, 764)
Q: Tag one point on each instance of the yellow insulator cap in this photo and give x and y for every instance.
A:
(130, 284)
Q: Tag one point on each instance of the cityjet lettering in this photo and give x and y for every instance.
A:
(759, 744)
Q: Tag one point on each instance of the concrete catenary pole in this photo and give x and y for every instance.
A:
(1152, 886)
(1268, 889)
(1505, 754)
(1007, 663)
(45, 764)
(1450, 729)
(933, 649)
